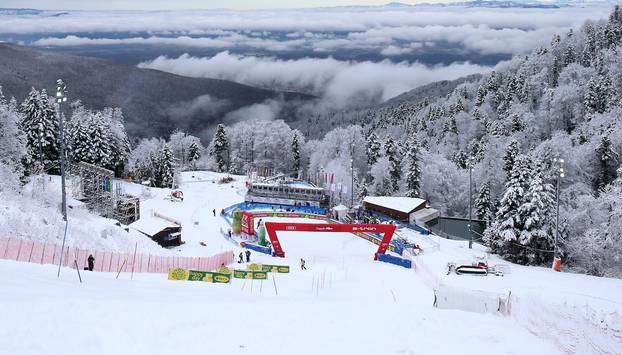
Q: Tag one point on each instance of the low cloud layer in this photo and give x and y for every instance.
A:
(338, 83)
(386, 31)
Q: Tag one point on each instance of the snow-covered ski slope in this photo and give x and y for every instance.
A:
(344, 303)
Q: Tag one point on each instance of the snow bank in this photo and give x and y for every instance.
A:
(573, 329)
(36, 216)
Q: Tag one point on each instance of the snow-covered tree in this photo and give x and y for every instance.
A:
(503, 235)
(511, 152)
(605, 157)
(413, 176)
(295, 155)
(372, 148)
(194, 154)
(391, 151)
(143, 161)
(41, 127)
(165, 167)
(484, 206)
(220, 148)
(12, 144)
(537, 216)
(180, 143)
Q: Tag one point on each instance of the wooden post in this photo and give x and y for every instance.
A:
(274, 281)
(121, 268)
(75, 262)
(134, 260)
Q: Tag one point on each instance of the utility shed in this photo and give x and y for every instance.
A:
(162, 231)
(398, 208)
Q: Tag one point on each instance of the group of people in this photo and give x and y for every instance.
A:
(241, 257)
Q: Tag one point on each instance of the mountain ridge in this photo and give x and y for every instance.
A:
(154, 103)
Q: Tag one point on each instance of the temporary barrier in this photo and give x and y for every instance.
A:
(386, 229)
(105, 261)
(257, 248)
(455, 297)
(395, 260)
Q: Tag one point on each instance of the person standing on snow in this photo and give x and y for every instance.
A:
(241, 260)
(248, 256)
(302, 264)
(91, 262)
(214, 212)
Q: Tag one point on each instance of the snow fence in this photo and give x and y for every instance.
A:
(106, 261)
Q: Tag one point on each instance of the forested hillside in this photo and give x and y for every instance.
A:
(512, 126)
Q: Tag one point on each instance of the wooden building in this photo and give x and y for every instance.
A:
(398, 208)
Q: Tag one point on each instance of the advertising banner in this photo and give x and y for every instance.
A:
(207, 276)
(178, 274)
(281, 269)
(243, 274)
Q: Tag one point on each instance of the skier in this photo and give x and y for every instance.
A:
(214, 212)
(248, 256)
(241, 260)
(302, 264)
(91, 261)
(229, 233)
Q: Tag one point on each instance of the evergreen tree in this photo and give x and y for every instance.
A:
(295, 155)
(413, 177)
(99, 147)
(395, 171)
(511, 152)
(605, 156)
(372, 150)
(79, 140)
(484, 207)
(12, 139)
(536, 213)
(50, 133)
(503, 235)
(517, 123)
(194, 154)
(220, 148)
(166, 167)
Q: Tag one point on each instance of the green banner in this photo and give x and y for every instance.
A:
(281, 269)
(207, 276)
(243, 274)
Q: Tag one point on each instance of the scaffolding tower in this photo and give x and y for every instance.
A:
(96, 187)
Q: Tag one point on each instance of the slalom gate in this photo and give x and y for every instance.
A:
(272, 227)
(106, 261)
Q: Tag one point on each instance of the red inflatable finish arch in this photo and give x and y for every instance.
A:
(273, 227)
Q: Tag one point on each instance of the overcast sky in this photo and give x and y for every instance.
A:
(187, 4)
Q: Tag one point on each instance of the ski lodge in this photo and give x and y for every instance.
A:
(404, 209)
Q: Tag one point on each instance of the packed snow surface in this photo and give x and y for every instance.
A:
(344, 303)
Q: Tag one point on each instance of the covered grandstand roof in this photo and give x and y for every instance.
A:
(401, 204)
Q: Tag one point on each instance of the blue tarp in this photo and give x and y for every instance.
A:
(395, 260)
(257, 248)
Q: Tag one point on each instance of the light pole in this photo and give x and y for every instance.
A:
(559, 173)
(61, 97)
(352, 173)
(61, 91)
(352, 185)
(470, 162)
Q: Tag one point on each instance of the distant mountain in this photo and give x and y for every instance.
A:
(154, 103)
(496, 4)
